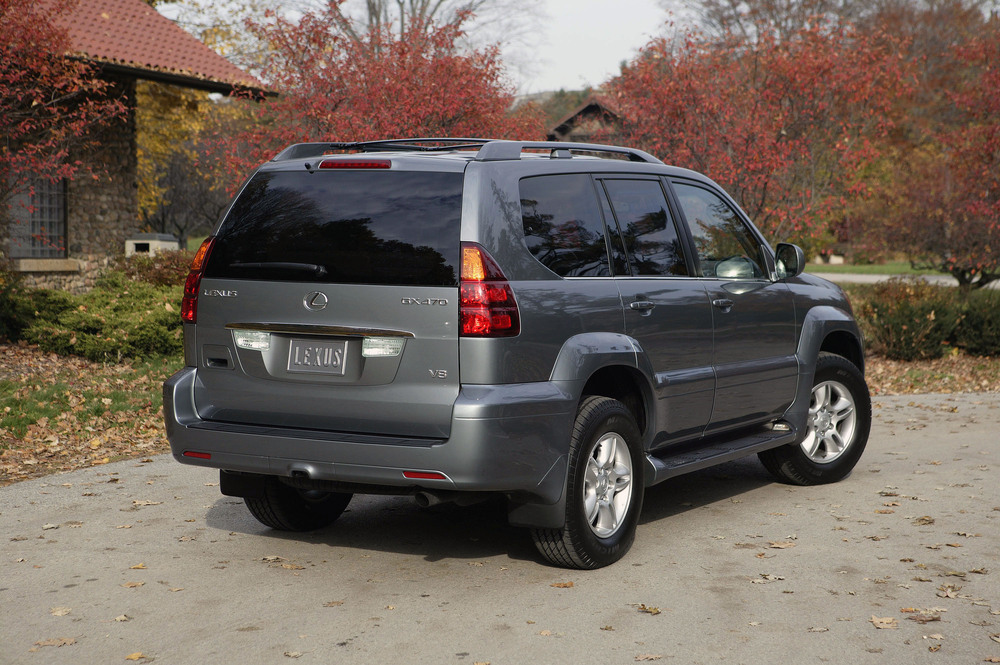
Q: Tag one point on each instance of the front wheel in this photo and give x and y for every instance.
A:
(840, 419)
(286, 508)
(604, 489)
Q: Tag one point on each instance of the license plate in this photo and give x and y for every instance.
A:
(313, 357)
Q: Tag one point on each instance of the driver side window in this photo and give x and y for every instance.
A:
(725, 247)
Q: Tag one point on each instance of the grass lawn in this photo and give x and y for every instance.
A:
(888, 268)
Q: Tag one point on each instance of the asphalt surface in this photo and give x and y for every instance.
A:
(146, 560)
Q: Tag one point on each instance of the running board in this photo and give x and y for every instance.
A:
(659, 468)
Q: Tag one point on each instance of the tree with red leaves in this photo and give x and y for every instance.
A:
(949, 218)
(781, 124)
(335, 88)
(50, 104)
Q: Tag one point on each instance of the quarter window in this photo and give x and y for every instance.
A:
(651, 241)
(725, 246)
(563, 227)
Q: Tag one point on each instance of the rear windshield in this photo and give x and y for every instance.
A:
(349, 227)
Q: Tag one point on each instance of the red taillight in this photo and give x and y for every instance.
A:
(189, 305)
(487, 307)
(355, 164)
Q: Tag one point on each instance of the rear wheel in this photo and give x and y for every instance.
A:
(289, 509)
(604, 489)
(840, 418)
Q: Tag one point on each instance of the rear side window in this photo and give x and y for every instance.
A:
(651, 239)
(348, 227)
(563, 227)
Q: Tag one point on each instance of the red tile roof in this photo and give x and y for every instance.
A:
(133, 36)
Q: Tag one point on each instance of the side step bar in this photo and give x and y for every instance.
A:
(660, 468)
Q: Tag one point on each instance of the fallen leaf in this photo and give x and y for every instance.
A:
(333, 603)
(133, 585)
(46, 527)
(138, 566)
(818, 630)
(607, 627)
(293, 654)
(926, 520)
(292, 566)
(649, 610)
(562, 585)
(885, 511)
(59, 611)
(56, 642)
(546, 633)
(175, 589)
(934, 648)
(138, 655)
(883, 623)
(648, 656)
(924, 618)
(122, 618)
(273, 559)
(995, 637)
(146, 502)
(782, 545)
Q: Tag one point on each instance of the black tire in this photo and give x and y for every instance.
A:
(602, 426)
(835, 436)
(288, 509)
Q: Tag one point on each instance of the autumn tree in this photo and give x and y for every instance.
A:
(782, 124)
(50, 104)
(333, 88)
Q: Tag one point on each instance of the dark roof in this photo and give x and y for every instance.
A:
(129, 36)
(596, 104)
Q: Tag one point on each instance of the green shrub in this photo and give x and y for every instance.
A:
(906, 318)
(979, 332)
(118, 319)
(168, 268)
(15, 310)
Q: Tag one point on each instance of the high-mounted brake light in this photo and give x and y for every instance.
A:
(355, 164)
(487, 307)
(189, 305)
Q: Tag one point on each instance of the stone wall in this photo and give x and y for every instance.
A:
(101, 212)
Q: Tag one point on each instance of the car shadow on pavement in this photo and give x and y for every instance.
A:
(397, 525)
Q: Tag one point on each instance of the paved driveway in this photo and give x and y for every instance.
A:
(148, 558)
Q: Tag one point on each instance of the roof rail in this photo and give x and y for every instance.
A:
(428, 144)
(496, 151)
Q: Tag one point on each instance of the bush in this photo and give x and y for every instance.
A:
(979, 333)
(15, 309)
(906, 318)
(168, 268)
(120, 318)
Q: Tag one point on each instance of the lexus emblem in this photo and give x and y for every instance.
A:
(315, 301)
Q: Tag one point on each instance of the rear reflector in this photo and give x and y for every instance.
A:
(355, 164)
(424, 475)
(191, 453)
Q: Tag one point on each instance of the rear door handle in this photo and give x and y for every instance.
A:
(642, 305)
(725, 304)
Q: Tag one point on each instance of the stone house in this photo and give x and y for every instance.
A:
(65, 233)
(596, 120)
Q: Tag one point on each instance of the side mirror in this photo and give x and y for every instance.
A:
(790, 260)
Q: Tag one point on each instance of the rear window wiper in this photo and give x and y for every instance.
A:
(316, 270)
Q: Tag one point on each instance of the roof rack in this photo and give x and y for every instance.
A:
(489, 150)
(496, 151)
(429, 144)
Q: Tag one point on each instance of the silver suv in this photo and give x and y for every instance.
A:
(561, 324)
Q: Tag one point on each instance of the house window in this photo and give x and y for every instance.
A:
(38, 221)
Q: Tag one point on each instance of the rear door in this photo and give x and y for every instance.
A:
(329, 302)
(666, 309)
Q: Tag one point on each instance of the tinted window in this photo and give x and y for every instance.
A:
(651, 240)
(351, 227)
(719, 235)
(563, 228)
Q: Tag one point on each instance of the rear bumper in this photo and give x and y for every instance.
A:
(510, 438)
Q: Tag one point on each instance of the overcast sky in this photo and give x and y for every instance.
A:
(584, 41)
